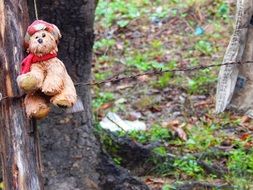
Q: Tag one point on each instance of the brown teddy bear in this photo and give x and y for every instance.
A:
(43, 76)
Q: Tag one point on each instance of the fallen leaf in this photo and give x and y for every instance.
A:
(175, 126)
(105, 106)
(244, 136)
(150, 181)
(180, 132)
(245, 119)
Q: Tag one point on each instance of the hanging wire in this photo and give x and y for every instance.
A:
(35, 9)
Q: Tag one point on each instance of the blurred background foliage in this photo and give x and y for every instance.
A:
(134, 36)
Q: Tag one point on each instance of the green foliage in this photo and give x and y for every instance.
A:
(241, 162)
(240, 165)
(166, 78)
(160, 13)
(223, 10)
(117, 11)
(154, 134)
(160, 151)
(204, 47)
(199, 83)
(143, 62)
(104, 44)
(201, 138)
(168, 187)
(188, 165)
(102, 98)
(142, 35)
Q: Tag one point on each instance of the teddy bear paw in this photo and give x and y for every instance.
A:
(63, 103)
(27, 82)
(51, 88)
(41, 113)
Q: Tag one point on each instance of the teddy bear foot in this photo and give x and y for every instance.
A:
(36, 105)
(27, 82)
(40, 114)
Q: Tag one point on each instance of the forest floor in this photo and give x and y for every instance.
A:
(136, 36)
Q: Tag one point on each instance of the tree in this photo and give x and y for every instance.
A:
(72, 155)
(20, 153)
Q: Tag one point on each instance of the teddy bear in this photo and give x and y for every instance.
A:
(44, 77)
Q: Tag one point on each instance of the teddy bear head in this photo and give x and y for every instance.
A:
(42, 38)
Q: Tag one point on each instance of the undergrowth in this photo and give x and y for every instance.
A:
(143, 35)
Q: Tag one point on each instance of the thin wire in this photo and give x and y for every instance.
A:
(35, 9)
(158, 72)
(116, 77)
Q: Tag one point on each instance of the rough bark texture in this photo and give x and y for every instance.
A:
(18, 136)
(73, 159)
(234, 88)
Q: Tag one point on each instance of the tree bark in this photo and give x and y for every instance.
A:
(20, 154)
(73, 157)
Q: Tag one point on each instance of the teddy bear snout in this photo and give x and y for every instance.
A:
(40, 40)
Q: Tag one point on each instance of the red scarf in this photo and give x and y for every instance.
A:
(31, 58)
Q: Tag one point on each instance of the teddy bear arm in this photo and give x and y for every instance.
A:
(54, 81)
(38, 72)
(32, 80)
(68, 96)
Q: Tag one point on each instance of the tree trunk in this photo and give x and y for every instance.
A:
(73, 157)
(18, 136)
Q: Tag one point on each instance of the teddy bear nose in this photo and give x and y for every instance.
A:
(40, 41)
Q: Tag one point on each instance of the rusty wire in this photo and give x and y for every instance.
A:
(153, 72)
(116, 77)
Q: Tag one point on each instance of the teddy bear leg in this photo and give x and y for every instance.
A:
(67, 97)
(32, 80)
(36, 105)
(54, 81)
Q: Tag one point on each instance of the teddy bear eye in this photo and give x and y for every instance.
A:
(43, 35)
(36, 37)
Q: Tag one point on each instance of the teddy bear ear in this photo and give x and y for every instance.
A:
(56, 32)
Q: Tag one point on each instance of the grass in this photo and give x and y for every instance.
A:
(119, 14)
(138, 36)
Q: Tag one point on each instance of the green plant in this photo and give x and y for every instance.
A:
(154, 134)
(199, 83)
(104, 44)
(168, 187)
(102, 98)
(241, 162)
(166, 78)
(201, 138)
(188, 165)
(223, 10)
(143, 62)
(160, 151)
(119, 12)
(204, 47)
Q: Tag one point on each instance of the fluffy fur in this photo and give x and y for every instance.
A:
(47, 81)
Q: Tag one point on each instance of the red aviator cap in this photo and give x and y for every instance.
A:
(41, 25)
